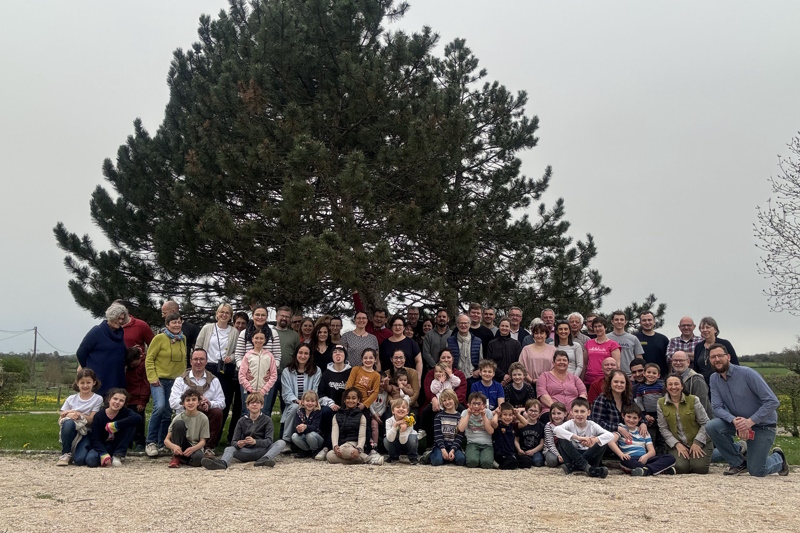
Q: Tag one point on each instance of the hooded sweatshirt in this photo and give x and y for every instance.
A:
(332, 385)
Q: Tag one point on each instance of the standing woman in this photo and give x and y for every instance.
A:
(245, 343)
(598, 349)
(219, 341)
(503, 350)
(321, 345)
(564, 341)
(399, 341)
(299, 376)
(306, 329)
(103, 350)
(682, 422)
(358, 340)
(537, 358)
(709, 331)
(165, 361)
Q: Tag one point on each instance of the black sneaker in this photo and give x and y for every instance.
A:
(736, 470)
(668, 472)
(425, 458)
(413, 461)
(213, 464)
(302, 455)
(784, 471)
(598, 471)
(265, 461)
(638, 472)
(391, 459)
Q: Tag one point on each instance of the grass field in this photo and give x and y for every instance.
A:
(768, 369)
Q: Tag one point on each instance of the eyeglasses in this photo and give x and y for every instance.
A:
(296, 321)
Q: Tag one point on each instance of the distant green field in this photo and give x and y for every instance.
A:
(768, 369)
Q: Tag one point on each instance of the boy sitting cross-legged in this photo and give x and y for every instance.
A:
(188, 432)
(637, 455)
(251, 438)
(582, 442)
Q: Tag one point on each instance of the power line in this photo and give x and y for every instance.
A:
(53, 347)
(17, 335)
(17, 331)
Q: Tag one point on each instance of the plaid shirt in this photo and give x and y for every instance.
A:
(606, 414)
(677, 344)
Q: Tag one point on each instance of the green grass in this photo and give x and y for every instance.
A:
(768, 369)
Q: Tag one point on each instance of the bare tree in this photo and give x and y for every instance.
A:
(778, 230)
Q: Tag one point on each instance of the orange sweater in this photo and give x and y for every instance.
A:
(368, 384)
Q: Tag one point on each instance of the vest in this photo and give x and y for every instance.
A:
(349, 422)
(190, 384)
(684, 410)
(475, 349)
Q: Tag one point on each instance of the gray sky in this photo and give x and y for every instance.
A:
(662, 123)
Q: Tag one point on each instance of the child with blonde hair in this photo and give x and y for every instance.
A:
(443, 379)
(401, 437)
(306, 426)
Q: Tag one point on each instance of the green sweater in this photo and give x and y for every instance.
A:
(165, 359)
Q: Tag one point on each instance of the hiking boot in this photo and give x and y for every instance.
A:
(265, 461)
(175, 462)
(151, 449)
(638, 472)
(213, 464)
(322, 455)
(116, 461)
(736, 470)
(64, 459)
(784, 471)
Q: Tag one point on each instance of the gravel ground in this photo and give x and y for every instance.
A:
(145, 495)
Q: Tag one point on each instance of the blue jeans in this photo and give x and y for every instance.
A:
(265, 409)
(759, 461)
(310, 442)
(437, 460)
(162, 414)
(396, 448)
(68, 434)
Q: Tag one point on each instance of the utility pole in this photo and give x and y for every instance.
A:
(33, 361)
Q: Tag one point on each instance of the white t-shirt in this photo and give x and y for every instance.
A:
(85, 407)
(218, 344)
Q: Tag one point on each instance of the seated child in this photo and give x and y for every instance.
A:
(558, 413)
(112, 431)
(517, 392)
(505, 453)
(401, 438)
(75, 418)
(385, 398)
(487, 386)
(349, 432)
(306, 431)
(582, 442)
(188, 432)
(251, 438)
(446, 439)
(138, 391)
(443, 379)
(530, 438)
(646, 395)
(476, 424)
(638, 455)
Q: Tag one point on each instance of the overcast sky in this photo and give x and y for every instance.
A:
(662, 123)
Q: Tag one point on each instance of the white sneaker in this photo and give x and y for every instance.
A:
(373, 452)
(376, 460)
(116, 461)
(64, 459)
(421, 434)
(321, 455)
(151, 449)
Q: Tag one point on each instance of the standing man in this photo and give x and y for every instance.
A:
(575, 321)
(212, 398)
(693, 383)
(297, 321)
(336, 330)
(376, 326)
(629, 346)
(412, 320)
(744, 406)
(686, 341)
(518, 333)
(436, 339)
(488, 319)
(289, 341)
(467, 350)
(588, 323)
(476, 328)
(189, 330)
(548, 316)
(654, 344)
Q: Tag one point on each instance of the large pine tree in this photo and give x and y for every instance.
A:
(305, 152)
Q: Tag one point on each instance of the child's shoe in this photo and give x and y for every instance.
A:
(64, 459)
(321, 456)
(175, 462)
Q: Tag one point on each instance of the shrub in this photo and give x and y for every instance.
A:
(9, 387)
(787, 388)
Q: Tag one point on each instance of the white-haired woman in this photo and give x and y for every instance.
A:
(103, 349)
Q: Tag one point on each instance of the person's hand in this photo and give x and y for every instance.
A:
(403, 426)
(176, 450)
(624, 433)
(586, 441)
(448, 371)
(155, 383)
(643, 460)
(696, 451)
(228, 360)
(300, 428)
(625, 456)
(334, 408)
(435, 404)
(355, 453)
(530, 452)
(506, 379)
(338, 452)
(451, 455)
(361, 406)
(649, 419)
(682, 451)
(241, 443)
(442, 379)
(743, 434)
(74, 415)
(643, 430)
(140, 408)
(476, 374)
(560, 460)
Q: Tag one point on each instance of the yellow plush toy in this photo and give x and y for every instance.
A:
(410, 420)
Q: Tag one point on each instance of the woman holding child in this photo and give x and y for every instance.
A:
(398, 361)
(682, 422)
(607, 408)
(428, 413)
(558, 385)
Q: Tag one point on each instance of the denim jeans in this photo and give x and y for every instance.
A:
(265, 408)
(118, 447)
(68, 434)
(310, 442)
(437, 460)
(759, 461)
(243, 455)
(396, 448)
(162, 414)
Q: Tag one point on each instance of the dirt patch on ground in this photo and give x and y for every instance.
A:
(145, 495)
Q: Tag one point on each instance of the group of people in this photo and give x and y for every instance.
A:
(481, 394)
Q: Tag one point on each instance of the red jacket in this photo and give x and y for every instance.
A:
(461, 390)
(137, 332)
(137, 385)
